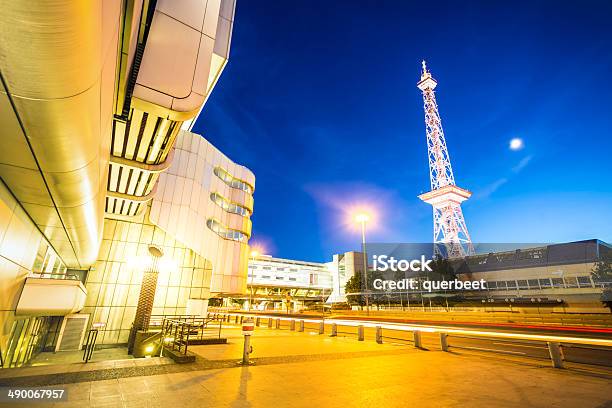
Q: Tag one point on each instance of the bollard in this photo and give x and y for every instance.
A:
(241, 319)
(360, 333)
(334, 332)
(417, 339)
(444, 341)
(257, 322)
(247, 331)
(278, 323)
(321, 327)
(270, 323)
(556, 354)
(379, 335)
(301, 326)
(236, 320)
(292, 325)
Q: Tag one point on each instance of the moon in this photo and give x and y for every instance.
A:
(516, 143)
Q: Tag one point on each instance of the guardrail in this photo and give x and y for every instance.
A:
(51, 275)
(541, 346)
(177, 334)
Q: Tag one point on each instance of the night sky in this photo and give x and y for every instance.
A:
(319, 100)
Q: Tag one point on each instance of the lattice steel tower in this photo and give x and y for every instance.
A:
(445, 197)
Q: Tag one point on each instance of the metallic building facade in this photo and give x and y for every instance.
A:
(96, 101)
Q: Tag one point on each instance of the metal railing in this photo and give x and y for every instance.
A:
(156, 321)
(53, 275)
(558, 349)
(178, 333)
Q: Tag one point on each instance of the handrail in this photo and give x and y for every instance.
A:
(43, 275)
(177, 332)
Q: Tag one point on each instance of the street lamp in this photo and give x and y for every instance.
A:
(254, 254)
(363, 218)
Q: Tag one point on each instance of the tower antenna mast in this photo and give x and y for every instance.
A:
(445, 197)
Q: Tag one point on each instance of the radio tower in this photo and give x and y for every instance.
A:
(445, 197)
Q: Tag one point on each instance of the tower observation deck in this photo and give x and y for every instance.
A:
(445, 197)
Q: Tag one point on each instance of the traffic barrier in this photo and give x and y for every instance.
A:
(444, 341)
(417, 339)
(379, 339)
(556, 354)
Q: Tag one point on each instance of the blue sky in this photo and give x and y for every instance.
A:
(319, 99)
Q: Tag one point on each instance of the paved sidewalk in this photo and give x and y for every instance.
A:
(307, 370)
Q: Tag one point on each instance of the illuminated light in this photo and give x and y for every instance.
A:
(167, 264)
(256, 250)
(516, 143)
(360, 214)
(149, 349)
(168, 339)
(450, 330)
(362, 217)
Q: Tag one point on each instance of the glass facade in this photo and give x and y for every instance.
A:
(114, 283)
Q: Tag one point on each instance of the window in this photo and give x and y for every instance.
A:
(533, 284)
(511, 284)
(492, 285)
(279, 278)
(225, 232)
(544, 283)
(584, 281)
(571, 282)
(557, 282)
(228, 205)
(233, 181)
(522, 284)
(265, 276)
(292, 270)
(266, 268)
(292, 279)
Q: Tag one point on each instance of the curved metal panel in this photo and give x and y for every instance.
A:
(65, 111)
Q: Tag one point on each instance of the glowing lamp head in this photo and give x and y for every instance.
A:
(254, 253)
(362, 217)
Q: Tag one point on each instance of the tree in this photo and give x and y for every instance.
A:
(602, 270)
(442, 269)
(354, 285)
(602, 273)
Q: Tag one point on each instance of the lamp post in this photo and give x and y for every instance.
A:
(254, 254)
(363, 218)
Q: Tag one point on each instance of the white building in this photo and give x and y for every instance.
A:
(275, 282)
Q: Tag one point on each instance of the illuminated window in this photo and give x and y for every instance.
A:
(228, 205)
(225, 232)
(233, 181)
